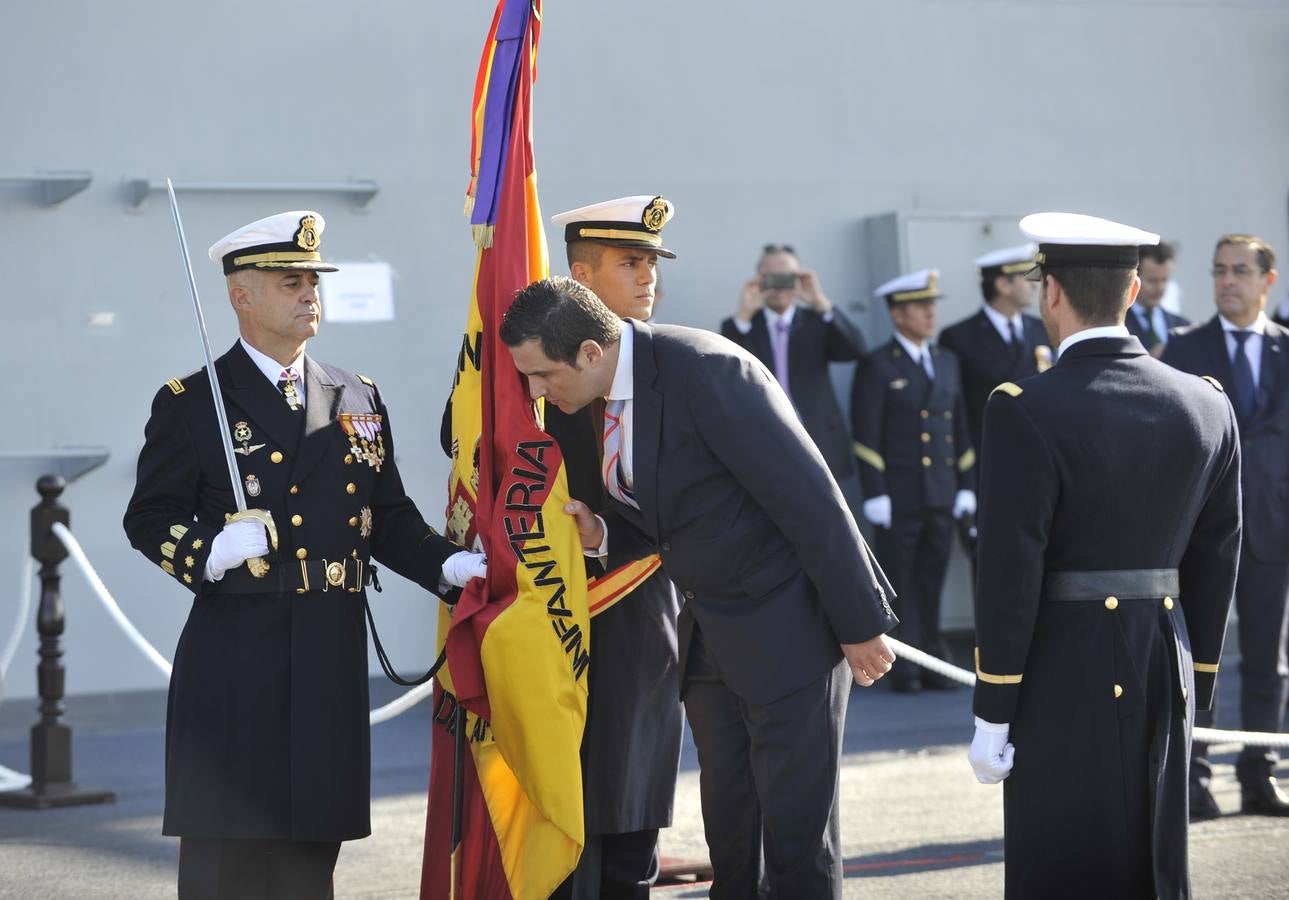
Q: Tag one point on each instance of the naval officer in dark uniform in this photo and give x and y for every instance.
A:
(1109, 538)
(631, 748)
(916, 463)
(1001, 342)
(267, 740)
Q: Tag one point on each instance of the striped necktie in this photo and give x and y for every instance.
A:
(615, 481)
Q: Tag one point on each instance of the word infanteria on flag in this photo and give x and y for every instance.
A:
(518, 647)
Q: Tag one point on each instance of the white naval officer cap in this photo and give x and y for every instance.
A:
(626, 222)
(1067, 240)
(921, 285)
(1007, 261)
(288, 240)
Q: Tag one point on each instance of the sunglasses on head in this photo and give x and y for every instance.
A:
(778, 248)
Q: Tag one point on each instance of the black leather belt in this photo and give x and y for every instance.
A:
(1125, 584)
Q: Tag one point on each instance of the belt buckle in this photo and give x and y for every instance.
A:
(336, 574)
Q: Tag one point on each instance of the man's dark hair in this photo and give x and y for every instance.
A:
(589, 252)
(561, 313)
(988, 287)
(1266, 256)
(1099, 296)
(1158, 253)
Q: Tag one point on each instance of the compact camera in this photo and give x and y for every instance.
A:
(778, 281)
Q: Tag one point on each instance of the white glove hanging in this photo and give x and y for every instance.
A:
(878, 511)
(964, 504)
(990, 754)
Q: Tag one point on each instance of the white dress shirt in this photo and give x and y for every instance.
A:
(272, 369)
(919, 353)
(623, 388)
(1252, 343)
(1088, 334)
(1003, 325)
(771, 317)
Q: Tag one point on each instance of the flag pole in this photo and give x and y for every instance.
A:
(458, 794)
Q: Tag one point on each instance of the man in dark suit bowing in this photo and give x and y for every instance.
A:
(783, 600)
(1249, 355)
(1147, 320)
(785, 320)
(1001, 342)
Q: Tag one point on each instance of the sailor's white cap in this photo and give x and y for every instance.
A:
(625, 222)
(288, 240)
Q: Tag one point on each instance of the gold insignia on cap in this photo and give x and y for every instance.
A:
(655, 215)
(307, 237)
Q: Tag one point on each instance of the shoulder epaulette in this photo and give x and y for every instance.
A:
(1011, 390)
(1213, 381)
(365, 380)
(176, 386)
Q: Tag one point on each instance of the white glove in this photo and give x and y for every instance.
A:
(878, 511)
(234, 545)
(463, 565)
(964, 504)
(990, 754)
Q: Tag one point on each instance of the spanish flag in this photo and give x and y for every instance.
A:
(518, 646)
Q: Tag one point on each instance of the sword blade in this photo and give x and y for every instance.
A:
(226, 440)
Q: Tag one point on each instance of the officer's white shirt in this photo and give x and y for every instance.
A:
(1153, 319)
(919, 353)
(1252, 343)
(1088, 334)
(272, 369)
(1003, 324)
(623, 388)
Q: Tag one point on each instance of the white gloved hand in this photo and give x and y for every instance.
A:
(878, 511)
(463, 565)
(964, 504)
(234, 545)
(990, 754)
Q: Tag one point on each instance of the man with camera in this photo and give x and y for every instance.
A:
(785, 320)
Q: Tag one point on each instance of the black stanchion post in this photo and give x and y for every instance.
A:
(51, 740)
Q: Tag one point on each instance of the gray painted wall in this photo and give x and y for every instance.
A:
(761, 123)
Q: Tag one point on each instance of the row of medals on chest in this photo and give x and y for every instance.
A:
(366, 443)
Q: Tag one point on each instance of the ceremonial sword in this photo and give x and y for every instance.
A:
(258, 566)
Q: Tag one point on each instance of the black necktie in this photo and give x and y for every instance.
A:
(1246, 392)
(1017, 342)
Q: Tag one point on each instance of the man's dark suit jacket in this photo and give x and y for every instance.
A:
(750, 524)
(1171, 320)
(812, 345)
(1264, 438)
(987, 360)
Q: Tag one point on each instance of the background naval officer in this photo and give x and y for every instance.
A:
(631, 747)
(916, 463)
(267, 741)
(1109, 533)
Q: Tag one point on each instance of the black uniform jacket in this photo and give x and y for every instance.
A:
(1109, 461)
(911, 431)
(749, 522)
(987, 360)
(1264, 438)
(267, 733)
(812, 345)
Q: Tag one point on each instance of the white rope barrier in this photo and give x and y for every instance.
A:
(9, 779)
(962, 676)
(382, 714)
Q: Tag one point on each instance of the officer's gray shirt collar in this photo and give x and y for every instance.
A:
(1088, 334)
(272, 369)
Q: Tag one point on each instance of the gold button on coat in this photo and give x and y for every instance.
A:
(349, 459)
(350, 488)
(302, 553)
(295, 488)
(926, 461)
(353, 521)
(1111, 602)
(925, 414)
(1168, 603)
(276, 456)
(297, 520)
(1118, 692)
(926, 438)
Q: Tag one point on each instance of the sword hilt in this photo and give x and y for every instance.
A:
(257, 565)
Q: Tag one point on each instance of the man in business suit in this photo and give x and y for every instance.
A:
(1109, 537)
(1249, 355)
(1147, 320)
(1001, 342)
(916, 464)
(267, 741)
(706, 464)
(785, 320)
